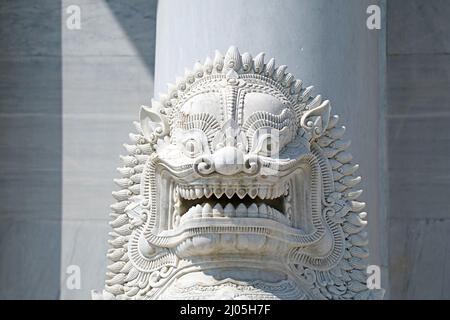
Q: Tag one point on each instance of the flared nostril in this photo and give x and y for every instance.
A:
(252, 164)
(204, 165)
(228, 160)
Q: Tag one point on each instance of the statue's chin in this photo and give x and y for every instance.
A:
(232, 284)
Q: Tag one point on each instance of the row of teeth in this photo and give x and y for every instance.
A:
(252, 211)
(262, 192)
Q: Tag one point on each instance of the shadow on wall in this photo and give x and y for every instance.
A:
(107, 74)
(30, 149)
(31, 138)
(142, 39)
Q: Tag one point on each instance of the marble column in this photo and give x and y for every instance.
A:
(325, 43)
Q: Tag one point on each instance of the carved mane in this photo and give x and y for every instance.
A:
(132, 276)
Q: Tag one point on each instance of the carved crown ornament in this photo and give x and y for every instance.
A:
(238, 184)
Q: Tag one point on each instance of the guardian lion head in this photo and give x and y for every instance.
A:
(238, 184)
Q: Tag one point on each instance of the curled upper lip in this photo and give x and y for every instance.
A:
(268, 167)
(229, 190)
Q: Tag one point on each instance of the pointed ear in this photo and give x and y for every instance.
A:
(154, 124)
(315, 121)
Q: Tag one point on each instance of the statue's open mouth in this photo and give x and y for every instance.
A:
(228, 201)
(260, 204)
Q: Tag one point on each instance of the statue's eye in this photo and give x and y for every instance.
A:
(192, 147)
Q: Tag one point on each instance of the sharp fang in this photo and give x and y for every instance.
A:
(218, 192)
(241, 210)
(277, 192)
(272, 192)
(208, 192)
(262, 210)
(229, 192)
(207, 211)
(212, 208)
(253, 193)
(198, 192)
(229, 210)
(217, 210)
(262, 192)
(241, 193)
(197, 211)
(253, 210)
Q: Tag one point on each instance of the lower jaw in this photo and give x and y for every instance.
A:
(214, 235)
(232, 246)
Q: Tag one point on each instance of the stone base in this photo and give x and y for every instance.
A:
(201, 286)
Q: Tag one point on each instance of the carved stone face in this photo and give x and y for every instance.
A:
(231, 162)
(238, 186)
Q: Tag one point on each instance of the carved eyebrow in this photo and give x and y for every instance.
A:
(202, 121)
(266, 119)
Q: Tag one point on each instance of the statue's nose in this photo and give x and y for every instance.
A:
(228, 160)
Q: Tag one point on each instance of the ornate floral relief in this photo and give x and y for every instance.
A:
(238, 184)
